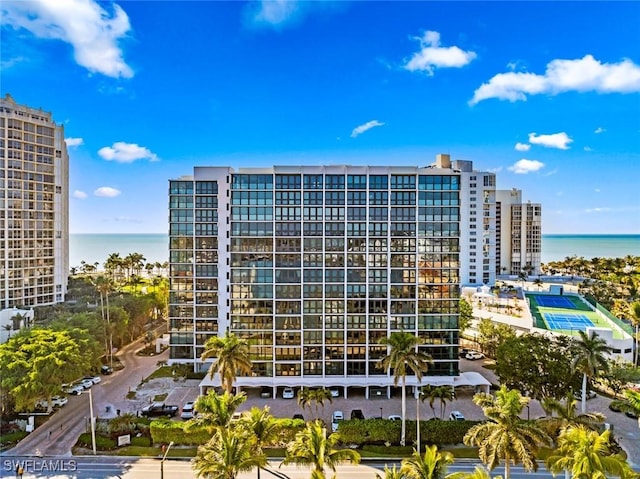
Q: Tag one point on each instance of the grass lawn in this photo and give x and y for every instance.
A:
(162, 372)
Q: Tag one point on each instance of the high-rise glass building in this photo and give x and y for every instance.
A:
(312, 265)
(34, 207)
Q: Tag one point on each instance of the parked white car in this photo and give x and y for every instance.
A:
(85, 383)
(456, 416)
(395, 417)
(335, 420)
(288, 393)
(474, 355)
(93, 379)
(74, 389)
(56, 401)
(187, 410)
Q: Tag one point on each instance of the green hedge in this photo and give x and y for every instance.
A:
(141, 441)
(164, 431)
(102, 443)
(382, 431)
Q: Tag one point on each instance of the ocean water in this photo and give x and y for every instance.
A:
(93, 248)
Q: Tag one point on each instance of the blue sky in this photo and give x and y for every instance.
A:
(547, 94)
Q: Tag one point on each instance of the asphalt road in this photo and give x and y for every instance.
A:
(143, 468)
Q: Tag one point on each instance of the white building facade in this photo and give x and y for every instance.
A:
(34, 227)
(313, 265)
(519, 234)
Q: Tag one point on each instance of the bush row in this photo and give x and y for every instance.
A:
(164, 431)
(381, 431)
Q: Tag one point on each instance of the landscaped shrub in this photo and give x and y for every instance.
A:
(102, 443)
(141, 441)
(164, 431)
(288, 430)
(370, 431)
(383, 431)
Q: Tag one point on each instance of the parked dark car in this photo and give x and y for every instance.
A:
(298, 416)
(266, 392)
(159, 409)
(106, 370)
(357, 414)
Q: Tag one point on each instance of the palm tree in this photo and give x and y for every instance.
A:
(432, 465)
(263, 426)
(633, 402)
(431, 393)
(307, 397)
(216, 410)
(505, 436)
(443, 393)
(312, 447)
(583, 453)
(566, 416)
(589, 359)
(232, 356)
(226, 455)
(392, 473)
(403, 357)
(104, 286)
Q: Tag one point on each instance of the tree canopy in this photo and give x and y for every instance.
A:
(36, 362)
(537, 366)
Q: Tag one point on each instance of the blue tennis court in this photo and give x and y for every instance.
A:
(554, 302)
(567, 321)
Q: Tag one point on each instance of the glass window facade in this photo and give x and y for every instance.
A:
(320, 267)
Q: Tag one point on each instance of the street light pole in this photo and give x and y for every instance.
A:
(418, 418)
(166, 451)
(93, 423)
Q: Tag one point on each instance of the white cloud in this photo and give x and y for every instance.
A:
(72, 142)
(522, 147)
(81, 195)
(92, 31)
(557, 140)
(581, 75)
(358, 130)
(432, 55)
(599, 130)
(597, 210)
(274, 12)
(597, 190)
(587, 148)
(524, 166)
(106, 192)
(126, 153)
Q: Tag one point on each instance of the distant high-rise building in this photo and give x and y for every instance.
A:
(519, 233)
(314, 264)
(34, 226)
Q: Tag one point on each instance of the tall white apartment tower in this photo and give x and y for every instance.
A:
(313, 265)
(519, 230)
(477, 223)
(34, 207)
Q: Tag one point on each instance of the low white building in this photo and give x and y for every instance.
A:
(13, 320)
